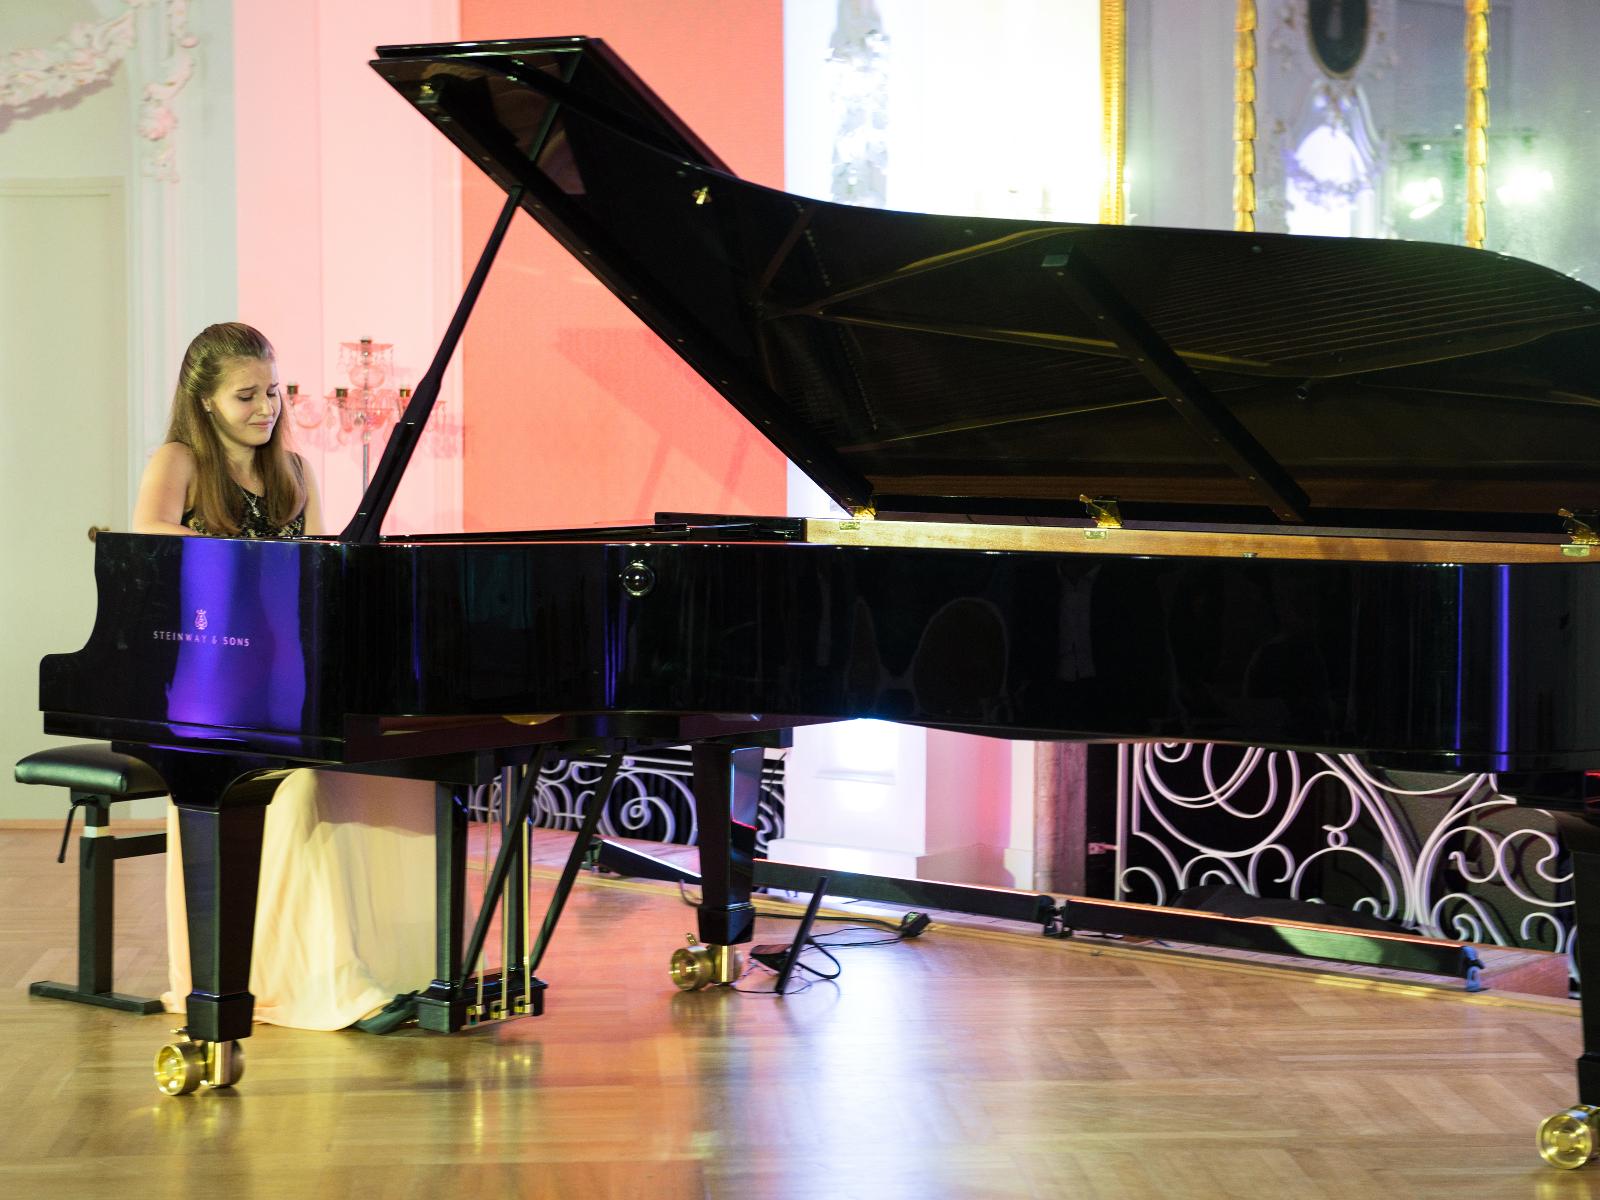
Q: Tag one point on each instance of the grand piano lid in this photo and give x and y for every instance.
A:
(936, 364)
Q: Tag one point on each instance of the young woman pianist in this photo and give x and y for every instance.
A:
(344, 917)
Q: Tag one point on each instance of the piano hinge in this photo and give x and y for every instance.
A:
(1579, 529)
(1105, 512)
(863, 512)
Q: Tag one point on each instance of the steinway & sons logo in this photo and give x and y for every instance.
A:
(199, 634)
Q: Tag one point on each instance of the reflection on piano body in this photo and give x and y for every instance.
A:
(1103, 483)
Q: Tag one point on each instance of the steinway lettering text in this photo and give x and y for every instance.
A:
(205, 639)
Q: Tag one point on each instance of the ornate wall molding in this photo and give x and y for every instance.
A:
(36, 80)
(858, 94)
(1300, 95)
(1444, 856)
(46, 78)
(157, 119)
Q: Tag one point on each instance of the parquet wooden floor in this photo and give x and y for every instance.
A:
(965, 1064)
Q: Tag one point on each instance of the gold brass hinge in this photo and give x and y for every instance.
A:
(863, 512)
(1581, 532)
(1105, 512)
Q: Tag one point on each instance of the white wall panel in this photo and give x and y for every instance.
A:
(62, 434)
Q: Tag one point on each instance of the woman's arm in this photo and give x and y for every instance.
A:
(313, 500)
(164, 490)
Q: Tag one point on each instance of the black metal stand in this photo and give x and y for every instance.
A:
(1431, 956)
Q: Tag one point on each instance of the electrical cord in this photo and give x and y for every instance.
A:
(799, 965)
(910, 925)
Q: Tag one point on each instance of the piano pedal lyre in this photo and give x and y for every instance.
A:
(1569, 1138)
(504, 1000)
(183, 1066)
(695, 966)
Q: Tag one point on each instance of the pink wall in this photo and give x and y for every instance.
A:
(969, 792)
(355, 219)
(577, 414)
(348, 206)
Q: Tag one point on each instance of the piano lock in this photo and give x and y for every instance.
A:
(638, 579)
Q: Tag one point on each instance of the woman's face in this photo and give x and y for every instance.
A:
(246, 404)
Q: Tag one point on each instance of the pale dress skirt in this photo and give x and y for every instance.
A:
(345, 910)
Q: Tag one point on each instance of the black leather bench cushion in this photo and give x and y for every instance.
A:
(98, 770)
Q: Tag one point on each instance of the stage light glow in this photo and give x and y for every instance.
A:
(1422, 197)
(867, 748)
(1525, 184)
(860, 795)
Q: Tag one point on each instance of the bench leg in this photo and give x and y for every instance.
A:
(97, 858)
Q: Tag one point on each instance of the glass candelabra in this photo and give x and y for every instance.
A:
(364, 411)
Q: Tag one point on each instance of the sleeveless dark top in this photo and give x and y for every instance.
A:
(254, 523)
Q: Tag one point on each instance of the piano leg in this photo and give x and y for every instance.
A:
(442, 1008)
(222, 805)
(1570, 1138)
(1586, 890)
(727, 789)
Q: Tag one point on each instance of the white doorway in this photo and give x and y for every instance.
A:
(63, 437)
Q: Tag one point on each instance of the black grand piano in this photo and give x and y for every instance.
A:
(1098, 483)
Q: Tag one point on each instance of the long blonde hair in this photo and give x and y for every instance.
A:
(217, 501)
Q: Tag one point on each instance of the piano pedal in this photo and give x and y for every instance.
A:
(498, 1008)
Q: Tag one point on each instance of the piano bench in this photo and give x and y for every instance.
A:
(97, 777)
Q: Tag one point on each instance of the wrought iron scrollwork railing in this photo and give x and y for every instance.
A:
(651, 800)
(1445, 856)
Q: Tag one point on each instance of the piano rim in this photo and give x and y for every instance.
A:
(1423, 548)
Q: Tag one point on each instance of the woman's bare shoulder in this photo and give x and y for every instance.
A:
(165, 491)
(173, 456)
(171, 466)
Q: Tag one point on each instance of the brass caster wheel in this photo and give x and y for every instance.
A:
(695, 966)
(224, 1064)
(186, 1065)
(1570, 1138)
(180, 1067)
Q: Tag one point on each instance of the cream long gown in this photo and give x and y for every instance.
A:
(345, 911)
